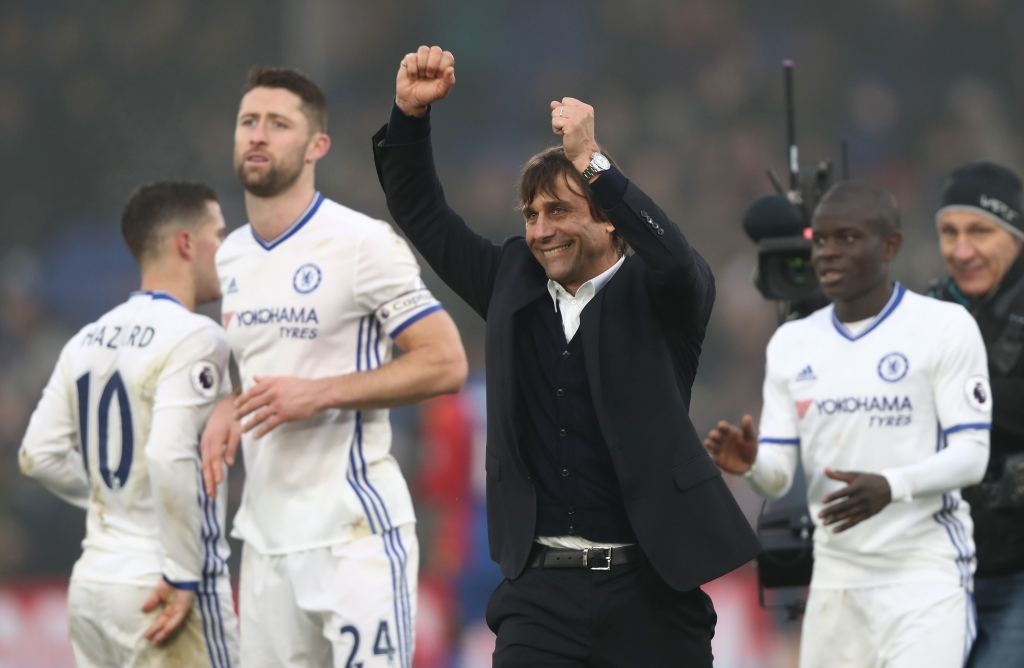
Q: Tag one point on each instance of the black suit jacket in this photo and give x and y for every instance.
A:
(642, 336)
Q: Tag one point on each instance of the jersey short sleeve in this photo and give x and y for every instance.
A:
(387, 281)
(963, 395)
(779, 417)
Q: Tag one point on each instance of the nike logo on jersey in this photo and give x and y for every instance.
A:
(806, 374)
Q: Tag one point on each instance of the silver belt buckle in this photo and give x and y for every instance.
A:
(607, 556)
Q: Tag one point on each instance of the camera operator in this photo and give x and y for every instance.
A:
(980, 236)
(884, 396)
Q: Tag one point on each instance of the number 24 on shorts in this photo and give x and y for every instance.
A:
(381, 644)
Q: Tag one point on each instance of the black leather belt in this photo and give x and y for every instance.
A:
(598, 558)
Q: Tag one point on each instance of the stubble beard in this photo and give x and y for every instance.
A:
(276, 180)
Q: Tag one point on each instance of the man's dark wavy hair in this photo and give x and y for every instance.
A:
(541, 175)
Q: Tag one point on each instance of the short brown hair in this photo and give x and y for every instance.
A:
(153, 206)
(541, 173)
(314, 102)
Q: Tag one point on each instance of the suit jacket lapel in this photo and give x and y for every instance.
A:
(529, 287)
(590, 328)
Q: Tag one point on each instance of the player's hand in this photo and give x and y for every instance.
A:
(424, 77)
(865, 495)
(219, 444)
(276, 399)
(734, 449)
(177, 604)
(573, 121)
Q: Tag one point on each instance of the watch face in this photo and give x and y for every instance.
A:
(600, 161)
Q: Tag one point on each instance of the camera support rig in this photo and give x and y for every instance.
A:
(780, 225)
(783, 233)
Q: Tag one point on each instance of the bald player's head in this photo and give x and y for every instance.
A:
(855, 236)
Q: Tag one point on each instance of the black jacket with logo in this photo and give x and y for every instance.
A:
(998, 532)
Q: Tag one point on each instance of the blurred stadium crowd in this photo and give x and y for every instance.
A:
(98, 97)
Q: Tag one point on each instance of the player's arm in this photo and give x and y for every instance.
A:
(965, 425)
(186, 393)
(219, 445)
(767, 467)
(767, 462)
(48, 453)
(434, 363)
(387, 285)
(963, 401)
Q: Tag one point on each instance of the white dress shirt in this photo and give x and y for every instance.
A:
(570, 307)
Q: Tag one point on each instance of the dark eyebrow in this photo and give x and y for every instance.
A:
(271, 115)
(556, 203)
(842, 230)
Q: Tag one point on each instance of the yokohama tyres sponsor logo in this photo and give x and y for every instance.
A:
(274, 316)
(863, 404)
(854, 405)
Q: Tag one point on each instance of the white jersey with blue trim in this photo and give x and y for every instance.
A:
(883, 399)
(325, 298)
(117, 433)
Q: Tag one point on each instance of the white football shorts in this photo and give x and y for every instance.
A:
(106, 623)
(908, 625)
(352, 604)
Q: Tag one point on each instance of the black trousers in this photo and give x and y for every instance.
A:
(625, 617)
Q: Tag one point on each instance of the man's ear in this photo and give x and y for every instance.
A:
(185, 244)
(891, 244)
(318, 147)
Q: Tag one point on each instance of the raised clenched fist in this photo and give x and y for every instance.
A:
(423, 78)
(573, 121)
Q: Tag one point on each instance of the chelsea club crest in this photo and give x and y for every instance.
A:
(893, 367)
(307, 278)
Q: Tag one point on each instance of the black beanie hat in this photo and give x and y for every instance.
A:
(987, 189)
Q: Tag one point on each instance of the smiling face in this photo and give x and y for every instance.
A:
(977, 251)
(566, 240)
(850, 253)
(273, 141)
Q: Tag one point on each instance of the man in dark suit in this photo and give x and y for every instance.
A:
(604, 511)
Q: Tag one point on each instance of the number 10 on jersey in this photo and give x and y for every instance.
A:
(117, 478)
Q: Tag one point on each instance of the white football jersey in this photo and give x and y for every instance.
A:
(117, 433)
(325, 298)
(884, 398)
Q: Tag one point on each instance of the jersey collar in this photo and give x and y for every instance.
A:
(293, 228)
(157, 294)
(894, 301)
